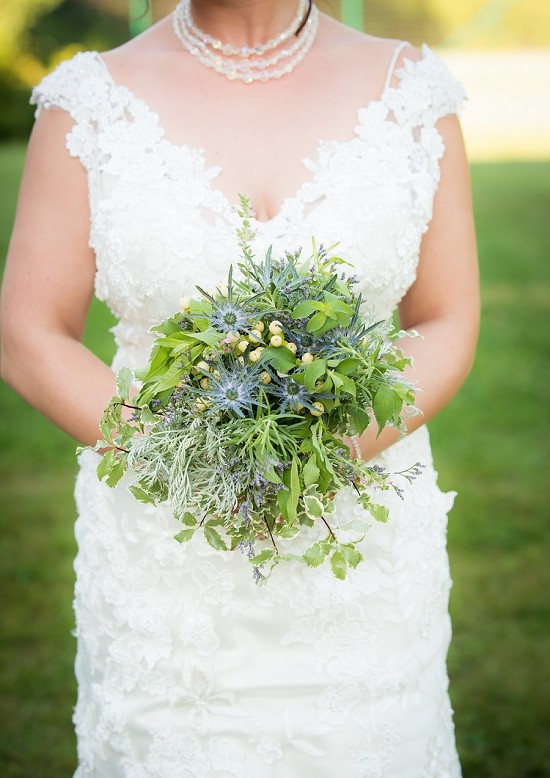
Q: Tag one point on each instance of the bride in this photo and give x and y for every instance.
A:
(185, 668)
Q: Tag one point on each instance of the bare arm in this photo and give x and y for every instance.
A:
(443, 303)
(48, 285)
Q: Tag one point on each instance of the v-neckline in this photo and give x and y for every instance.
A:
(212, 171)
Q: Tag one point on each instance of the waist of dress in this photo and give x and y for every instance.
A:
(134, 348)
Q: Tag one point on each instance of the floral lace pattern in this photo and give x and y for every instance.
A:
(185, 667)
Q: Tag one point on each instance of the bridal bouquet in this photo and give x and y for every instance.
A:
(243, 405)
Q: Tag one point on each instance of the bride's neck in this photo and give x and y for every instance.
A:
(243, 22)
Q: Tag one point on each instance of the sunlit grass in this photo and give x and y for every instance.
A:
(492, 444)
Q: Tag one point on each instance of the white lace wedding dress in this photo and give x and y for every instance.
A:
(186, 668)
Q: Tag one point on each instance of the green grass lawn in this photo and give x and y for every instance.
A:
(492, 444)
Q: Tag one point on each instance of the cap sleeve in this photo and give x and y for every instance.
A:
(81, 87)
(426, 92)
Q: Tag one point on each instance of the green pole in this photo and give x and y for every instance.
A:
(353, 13)
(140, 16)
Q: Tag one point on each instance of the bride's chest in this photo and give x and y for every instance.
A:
(161, 223)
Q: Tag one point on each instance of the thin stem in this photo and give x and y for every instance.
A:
(126, 405)
(327, 525)
(271, 535)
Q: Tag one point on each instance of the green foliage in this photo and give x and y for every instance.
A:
(469, 23)
(241, 407)
(35, 35)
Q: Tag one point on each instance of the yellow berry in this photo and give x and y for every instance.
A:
(260, 326)
(232, 338)
(292, 347)
(200, 405)
(276, 328)
(276, 341)
(255, 336)
(185, 302)
(266, 378)
(307, 358)
(202, 365)
(254, 355)
(320, 409)
(242, 346)
(204, 383)
(240, 360)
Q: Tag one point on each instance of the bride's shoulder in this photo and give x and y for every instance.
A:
(144, 51)
(363, 51)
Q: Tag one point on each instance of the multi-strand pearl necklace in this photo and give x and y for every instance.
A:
(246, 63)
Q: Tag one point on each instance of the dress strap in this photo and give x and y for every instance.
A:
(398, 49)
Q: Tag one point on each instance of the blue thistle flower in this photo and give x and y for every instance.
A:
(229, 316)
(293, 395)
(233, 387)
(230, 313)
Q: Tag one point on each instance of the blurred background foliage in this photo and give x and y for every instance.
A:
(36, 34)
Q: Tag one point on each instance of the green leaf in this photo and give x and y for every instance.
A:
(338, 308)
(306, 308)
(287, 532)
(168, 326)
(199, 306)
(337, 379)
(351, 555)
(379, 512)
(282, 500)
(339, 565)
(316, 322)
(169, 379)
(188, 519)
(147, 416)
(294, 490)
(264, 556)
(105, 464)
(313, 372)
(210, 336)
(141, 495)
(313, 506)
(185, 535)
(310, 471)
(280, 358)
(329, 324)
(347, 385)
(360, 419)
(384, 406)
(213, 538)
(124, 379)
(316, 554)
(116, 472)
(348, 365)
(271, 475)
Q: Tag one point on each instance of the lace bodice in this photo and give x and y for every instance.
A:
(159, 225)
